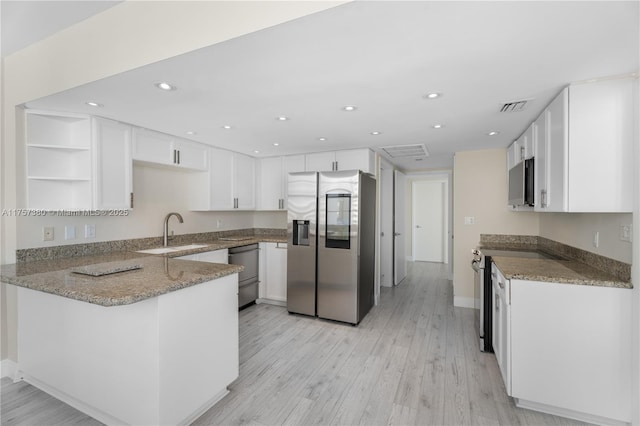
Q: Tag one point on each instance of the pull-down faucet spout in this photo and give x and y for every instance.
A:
(165, 235)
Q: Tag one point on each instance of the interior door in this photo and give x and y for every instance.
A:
(386, 226)
(399, 240)
(429, 221)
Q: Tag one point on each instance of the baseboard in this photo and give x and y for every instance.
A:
(570, 414)
(106, 418)
(272, 302)
(87, 409)
(464, 302)
(8, 368)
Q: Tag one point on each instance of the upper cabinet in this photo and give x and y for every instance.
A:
(229, 184)
(76, 162)
(271, 180)
(352, 159)
(584, 148)
(521, 149)
(582, 145)
(113, 172)
(162, 149)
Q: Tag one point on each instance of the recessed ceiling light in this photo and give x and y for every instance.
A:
(165, 86)
(226, 126)
(256, 151)
(191, 132)
(492, 133)
(432, 95)
(437, 126)
(349, 108)
(375, 132)
(322, 139)
(94, 104)
(283, 118)
(276, 144)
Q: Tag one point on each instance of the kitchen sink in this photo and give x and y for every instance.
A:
(164, 250)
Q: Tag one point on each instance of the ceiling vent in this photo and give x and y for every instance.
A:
(515, 106)
(403, 151)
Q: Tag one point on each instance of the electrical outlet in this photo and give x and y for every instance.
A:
(625, 232)
(469, 220)
(69, 232)
(596, 239)
(89, 231)
(47, 233)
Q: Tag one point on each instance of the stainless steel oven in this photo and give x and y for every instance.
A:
(481, 266)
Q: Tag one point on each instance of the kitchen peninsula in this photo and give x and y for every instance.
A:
(156, 343)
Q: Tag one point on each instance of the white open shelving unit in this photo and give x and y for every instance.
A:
(59, 161)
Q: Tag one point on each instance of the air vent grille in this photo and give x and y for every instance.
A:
(401, 151)
(514, 106)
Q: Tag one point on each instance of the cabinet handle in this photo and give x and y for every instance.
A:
(174, 156)
(497, 303)
(543, 195)
(131, 199)
(522, 153)
(178, 157)
(235, 203)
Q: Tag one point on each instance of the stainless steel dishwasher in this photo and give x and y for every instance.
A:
(246, 256)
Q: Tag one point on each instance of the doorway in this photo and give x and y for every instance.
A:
(430, 213)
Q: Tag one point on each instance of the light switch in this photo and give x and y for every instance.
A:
(469, 220)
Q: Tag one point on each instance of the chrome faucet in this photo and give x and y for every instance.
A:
(165, 236)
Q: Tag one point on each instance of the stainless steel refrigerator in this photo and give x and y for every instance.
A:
(342, 247)
(302, 225)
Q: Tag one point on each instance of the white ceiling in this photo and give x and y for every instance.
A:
(27, 21)
(382, 57)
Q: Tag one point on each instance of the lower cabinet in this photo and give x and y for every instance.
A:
(564, 348)
(273, 273)
(501, 326)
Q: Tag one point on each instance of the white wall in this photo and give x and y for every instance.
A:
(126, 36)
(480, 191)
(577, 229)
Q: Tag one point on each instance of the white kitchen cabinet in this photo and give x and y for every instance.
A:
(571, 351)
(564, 348)
(269, 184)
(190, 155)
(113, 165)
(501, 326)
(272, 177)
(585, 148)
(352, 159)
(161, 149)
(273, 273)
(229, 184)
(522, 148)
(244, 169)
(540, 158)
(59, 161)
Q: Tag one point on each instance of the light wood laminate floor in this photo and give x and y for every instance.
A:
(413, 360)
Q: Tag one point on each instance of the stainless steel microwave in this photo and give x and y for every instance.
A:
(521, 184)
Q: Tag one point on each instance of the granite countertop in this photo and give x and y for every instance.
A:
(148, 275)
(556, 270)
(562, 265)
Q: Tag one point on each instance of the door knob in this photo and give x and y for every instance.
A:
(397, 234)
